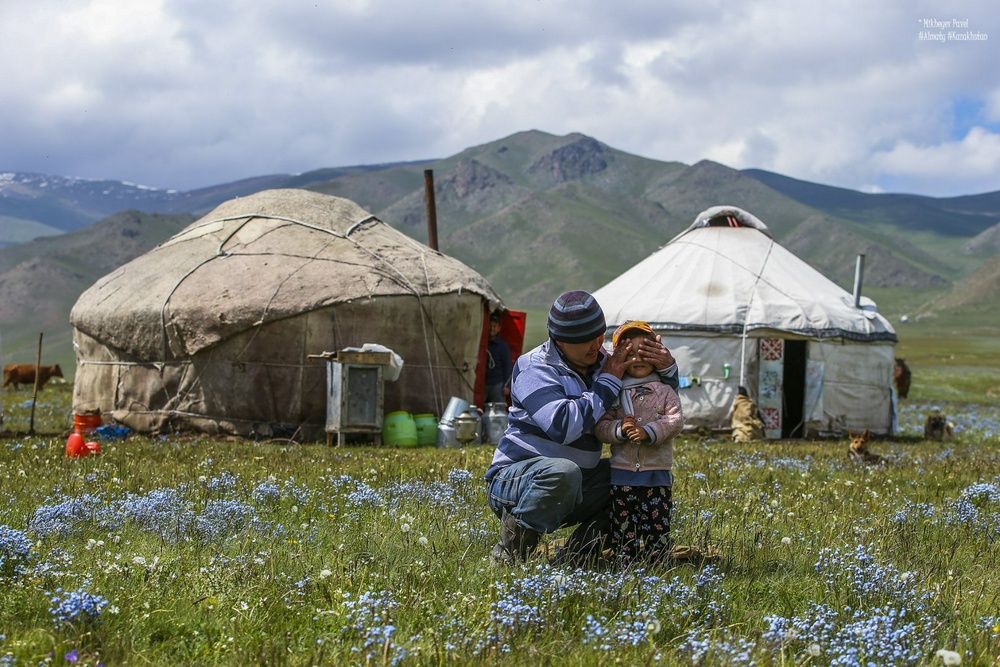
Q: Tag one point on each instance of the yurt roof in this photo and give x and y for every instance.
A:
(257, 259)
(725, 274)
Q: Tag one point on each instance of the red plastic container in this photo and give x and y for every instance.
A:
(87, 423)
(75, 446)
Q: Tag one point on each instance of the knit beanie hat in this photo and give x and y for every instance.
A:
(576, 317)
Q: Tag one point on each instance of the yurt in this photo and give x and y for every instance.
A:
(737, 309)
(217, 329)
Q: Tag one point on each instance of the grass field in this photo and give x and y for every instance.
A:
(195, 550)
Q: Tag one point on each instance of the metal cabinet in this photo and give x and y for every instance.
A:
(354, 394)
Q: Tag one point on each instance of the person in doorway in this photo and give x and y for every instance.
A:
(547, 471)
(640, 427)
(498, 364)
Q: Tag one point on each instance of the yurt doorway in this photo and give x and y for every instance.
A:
(781, 389)
(794, 385)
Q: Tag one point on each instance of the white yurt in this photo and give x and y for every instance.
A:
(214, 329)
(737, 309)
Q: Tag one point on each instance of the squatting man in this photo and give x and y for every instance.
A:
(547, 471)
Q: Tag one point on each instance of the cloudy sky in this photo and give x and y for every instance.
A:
(894, 95)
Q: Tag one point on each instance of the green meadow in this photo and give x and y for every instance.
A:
(181, 549)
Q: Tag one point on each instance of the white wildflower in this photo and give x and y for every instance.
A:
(786, 540)
(814, 650)
(949, 657)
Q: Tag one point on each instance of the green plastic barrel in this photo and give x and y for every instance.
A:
(426, 429)
(399, 430)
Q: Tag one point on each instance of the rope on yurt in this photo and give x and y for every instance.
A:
(746, 316)
(425, 316)
(399, 278)
(427, 346)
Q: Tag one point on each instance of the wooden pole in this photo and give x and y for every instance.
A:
(432, 223)
(34, 394)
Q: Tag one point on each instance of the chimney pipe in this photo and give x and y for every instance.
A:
(859, 270)
(432, 223)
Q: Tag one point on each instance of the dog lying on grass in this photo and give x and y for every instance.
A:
(858, 450)
(938, 428)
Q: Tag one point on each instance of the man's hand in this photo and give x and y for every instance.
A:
(618, 361)
(655, 353)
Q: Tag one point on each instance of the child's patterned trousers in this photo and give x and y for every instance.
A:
(640, 522)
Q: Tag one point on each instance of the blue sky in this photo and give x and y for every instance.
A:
(188, 93)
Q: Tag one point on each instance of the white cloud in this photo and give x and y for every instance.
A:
(972, 160)
(186, 93)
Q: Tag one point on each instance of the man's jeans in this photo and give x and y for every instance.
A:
(544, 494)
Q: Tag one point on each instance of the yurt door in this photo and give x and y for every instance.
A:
(770, 384)
(781, 388)
(793, 389)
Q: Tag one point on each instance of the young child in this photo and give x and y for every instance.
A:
(640, 427)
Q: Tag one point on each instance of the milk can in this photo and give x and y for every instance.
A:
(494, 422)
(446, 427)
(468, 426)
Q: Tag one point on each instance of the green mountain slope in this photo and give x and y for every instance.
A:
(41, 280)
(537, 214)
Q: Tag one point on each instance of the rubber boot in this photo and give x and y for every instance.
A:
(586, 544)
(516, 541)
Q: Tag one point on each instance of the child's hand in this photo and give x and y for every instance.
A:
(635, 433)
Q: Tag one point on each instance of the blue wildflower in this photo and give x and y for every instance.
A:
(77, 606)
(15, 552)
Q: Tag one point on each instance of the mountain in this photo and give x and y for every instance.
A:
(953, 216)
(534, 213)
(41, 280)
(979, 292)
(38, 205)
(985, 243)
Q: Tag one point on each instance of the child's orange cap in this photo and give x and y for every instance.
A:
(630, 324)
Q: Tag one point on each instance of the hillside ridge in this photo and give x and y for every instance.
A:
(534, 213)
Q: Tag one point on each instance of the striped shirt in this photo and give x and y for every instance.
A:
(554, 409)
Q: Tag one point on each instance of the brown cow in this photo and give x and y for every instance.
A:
(901, 376)
(18, 374)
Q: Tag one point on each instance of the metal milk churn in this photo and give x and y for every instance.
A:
(494, 422)
(467, 426)
(446, 427)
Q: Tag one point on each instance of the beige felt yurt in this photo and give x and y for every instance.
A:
(735, 307)
(213, 329)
